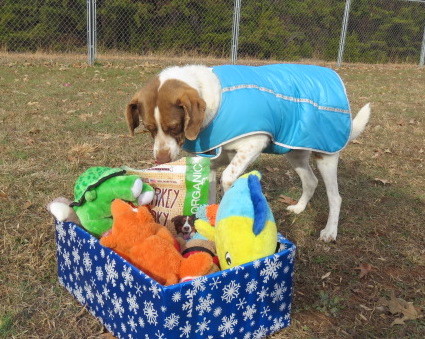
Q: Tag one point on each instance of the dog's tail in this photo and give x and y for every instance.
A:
(360, 121)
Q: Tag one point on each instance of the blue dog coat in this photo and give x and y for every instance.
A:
(298, 106)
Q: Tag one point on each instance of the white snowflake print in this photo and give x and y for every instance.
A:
(230, 291)
(241, 303)
(99, 299)
(249, 312)
(72, 233)
(277, 324)
(122, 287)
(78, 292)
(177, 296)
(256, 263)
(262, 294)
(61, 231)
(76, 255)
(123, 328)
(111, 273)
(105, 291)
(155, 290)
(217, 312)
(204, 304)
(215, 282)
(271, 269)
(89, 292)
(133, 305)
(251, 286)
(202, 326)
(159, 335)
(199, 284)
(80, 243)
(66, 258)
(92, 242)
(278, 292)
(118, 308)
(282, 307)
(138, 289)
(286, 269)
(128, 276)
(141, 322)
(185, 330)
(102, 253)
(261, 332)
(163, 309)
(188, 306)
(150, 312)
(132, 324)
(171, 321)
(99, 273)
(236, 269)
(87, 261)
(247, 335)
(265, 311)
(227, 325)
(76, 273)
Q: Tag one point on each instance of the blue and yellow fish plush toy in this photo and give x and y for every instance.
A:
(245, 229)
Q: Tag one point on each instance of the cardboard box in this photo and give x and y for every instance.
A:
(248, 301)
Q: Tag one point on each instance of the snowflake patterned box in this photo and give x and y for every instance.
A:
(248, 301)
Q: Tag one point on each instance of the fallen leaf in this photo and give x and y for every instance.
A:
(287, 200)
(325, 275)
(363, 317)
(382, 181)
(27, 205)
(366, 308)
(355, 141)
(364, 269)
(400, 306)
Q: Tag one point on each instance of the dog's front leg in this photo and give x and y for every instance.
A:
(247, 150)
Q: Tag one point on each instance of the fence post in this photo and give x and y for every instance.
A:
(91, 31)
(343, 32)
(235, 31)
(421, 59)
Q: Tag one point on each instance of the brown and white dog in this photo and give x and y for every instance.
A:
(176, 104)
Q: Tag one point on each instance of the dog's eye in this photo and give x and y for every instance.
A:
(175, 129)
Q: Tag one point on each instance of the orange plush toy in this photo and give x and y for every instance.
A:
(150, 246)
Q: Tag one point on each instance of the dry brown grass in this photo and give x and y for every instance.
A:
(58, 117)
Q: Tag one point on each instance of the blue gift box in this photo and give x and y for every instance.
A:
(248, 301)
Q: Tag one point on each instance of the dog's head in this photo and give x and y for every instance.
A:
(171, 111)
(184, 225)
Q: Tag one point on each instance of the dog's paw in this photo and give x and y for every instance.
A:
(297, 209)
(328, 235)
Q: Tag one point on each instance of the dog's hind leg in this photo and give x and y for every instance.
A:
(328, 167)
(299, 159)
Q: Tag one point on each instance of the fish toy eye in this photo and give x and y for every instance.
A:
(228, 258)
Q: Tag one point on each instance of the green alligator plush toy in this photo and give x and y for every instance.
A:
(95, 190)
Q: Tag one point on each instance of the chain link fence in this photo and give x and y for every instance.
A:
(377, 31)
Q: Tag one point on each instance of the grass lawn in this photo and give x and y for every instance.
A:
(58, 117)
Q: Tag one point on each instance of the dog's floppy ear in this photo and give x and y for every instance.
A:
(132, 114)
(194, 108)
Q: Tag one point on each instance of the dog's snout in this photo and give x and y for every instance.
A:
(162, 157)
